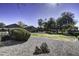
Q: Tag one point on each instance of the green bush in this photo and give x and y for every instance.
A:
(5, 38)
(74, 33)
(43, 49)
(19, 34)
(49, 32)
(37, 51)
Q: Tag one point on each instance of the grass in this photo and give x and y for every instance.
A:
(50, 36)
(54, 36)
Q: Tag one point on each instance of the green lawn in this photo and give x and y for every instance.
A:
(54, 36)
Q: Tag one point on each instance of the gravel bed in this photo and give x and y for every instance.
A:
(57, 48)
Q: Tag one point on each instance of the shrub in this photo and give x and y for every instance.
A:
(19, 34)
(78, 37)
(44, 48)
(49, 32)
(37, 51)
(73, 33)
(5, 38)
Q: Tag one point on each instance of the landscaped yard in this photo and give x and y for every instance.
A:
(59, 45)
(54, 36)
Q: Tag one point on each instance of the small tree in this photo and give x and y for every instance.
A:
(51, 24)
(66, 19)
(40, 23)
(21, 24)
(2, 25)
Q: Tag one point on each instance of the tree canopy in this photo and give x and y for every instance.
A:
(63, 23)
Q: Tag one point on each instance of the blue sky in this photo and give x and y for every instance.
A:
(29, 13)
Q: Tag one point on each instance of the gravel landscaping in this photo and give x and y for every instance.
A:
(57, 48)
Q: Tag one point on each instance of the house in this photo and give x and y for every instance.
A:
(31, 28)
(11, 26)
(5, 29)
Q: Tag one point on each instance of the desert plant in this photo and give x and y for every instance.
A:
(19, 34)
(37, 51)
(44, 48)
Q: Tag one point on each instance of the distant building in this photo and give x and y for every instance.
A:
(12, 26)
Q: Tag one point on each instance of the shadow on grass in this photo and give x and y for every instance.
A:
(10, 43)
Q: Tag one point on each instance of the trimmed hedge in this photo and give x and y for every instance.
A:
(19, 34)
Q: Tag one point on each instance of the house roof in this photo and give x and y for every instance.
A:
(12, 26)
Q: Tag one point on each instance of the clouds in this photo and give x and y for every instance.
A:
(53, 4)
